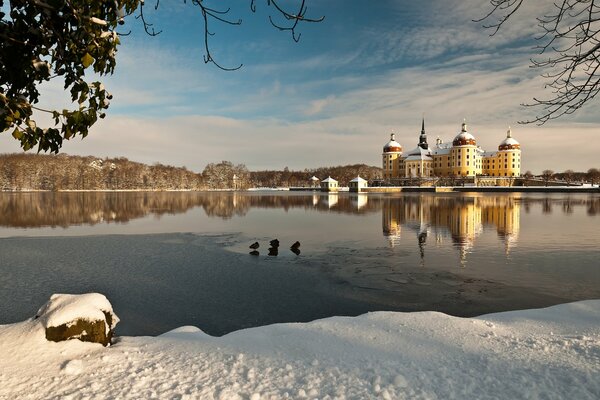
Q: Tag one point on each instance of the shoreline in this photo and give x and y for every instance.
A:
(373, 189)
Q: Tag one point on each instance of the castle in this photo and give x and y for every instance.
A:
(461, 158)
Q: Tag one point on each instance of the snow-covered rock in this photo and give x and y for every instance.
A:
(87, 317)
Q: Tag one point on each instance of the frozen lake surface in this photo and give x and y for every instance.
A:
(171, 259)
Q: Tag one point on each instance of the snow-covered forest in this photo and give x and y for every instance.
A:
(20, 172)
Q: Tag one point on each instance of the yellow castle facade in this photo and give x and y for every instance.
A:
(460, 158)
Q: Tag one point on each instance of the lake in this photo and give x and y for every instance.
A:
(169, 259)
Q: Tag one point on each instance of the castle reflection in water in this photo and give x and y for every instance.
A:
(413, 219)
(432, 219)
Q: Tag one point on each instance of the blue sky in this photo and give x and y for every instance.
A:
(333, 98)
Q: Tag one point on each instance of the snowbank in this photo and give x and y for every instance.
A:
(547, 353)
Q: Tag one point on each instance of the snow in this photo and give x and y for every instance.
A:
(464, 135)
(509, 141)
(65, 308)
(551, 353)
(358, 179)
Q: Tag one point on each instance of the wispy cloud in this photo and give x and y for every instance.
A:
(334, 99)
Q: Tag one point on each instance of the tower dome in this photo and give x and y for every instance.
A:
(392, 146)
(464, 138)
(509, 143)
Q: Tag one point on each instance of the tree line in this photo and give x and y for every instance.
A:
(22, 172)
(569, 176)
(62, 172)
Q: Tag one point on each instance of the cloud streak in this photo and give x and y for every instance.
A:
(336, 103)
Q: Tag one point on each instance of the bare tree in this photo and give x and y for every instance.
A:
(547, 175)
(568, 175)
(569, 51)
(593, 175)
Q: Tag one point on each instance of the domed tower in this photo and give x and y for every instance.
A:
(466, 160)
(509, 152)
(392, 151)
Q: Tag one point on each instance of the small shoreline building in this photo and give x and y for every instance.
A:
(357, 184)
(329, 185)
(461, 158)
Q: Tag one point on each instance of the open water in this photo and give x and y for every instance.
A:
(166, 260)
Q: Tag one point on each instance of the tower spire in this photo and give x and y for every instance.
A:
(509, 132)
(423, 138)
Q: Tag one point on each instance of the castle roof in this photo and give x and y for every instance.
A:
(392, 146)
(509, 143)
(464, 138)
(418, 153)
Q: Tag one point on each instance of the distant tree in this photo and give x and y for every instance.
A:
(569, 52)
(593, 175)
(547, 175)
(568, 175)
(527, 175)
(68, 40)
(220, 176)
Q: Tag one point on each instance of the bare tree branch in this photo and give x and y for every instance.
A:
(569, 52)
(209, 14)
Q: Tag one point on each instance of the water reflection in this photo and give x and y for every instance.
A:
(346, 263)
(432, 217)
(34, 210)
(436, 219)
(52, 209)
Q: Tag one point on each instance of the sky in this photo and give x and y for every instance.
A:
(333, 98)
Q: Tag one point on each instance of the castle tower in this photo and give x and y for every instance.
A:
(509, 160)
(465, 158)
(392, 151)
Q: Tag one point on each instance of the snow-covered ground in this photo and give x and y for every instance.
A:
(551, 353)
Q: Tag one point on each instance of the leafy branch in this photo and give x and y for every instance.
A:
(48, 39)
